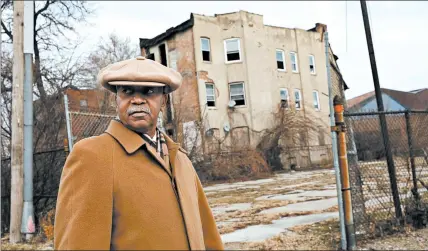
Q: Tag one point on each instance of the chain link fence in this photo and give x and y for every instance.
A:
(88, 124)
(88, 114)
(374, 180)
(47, 173)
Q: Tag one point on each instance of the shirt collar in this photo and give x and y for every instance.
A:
(132, 141)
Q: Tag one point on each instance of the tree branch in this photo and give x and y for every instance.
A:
(42, 10)
(8, 32)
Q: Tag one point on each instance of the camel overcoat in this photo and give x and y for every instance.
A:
(117, 193)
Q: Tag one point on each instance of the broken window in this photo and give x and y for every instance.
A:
(162, 52)
(316, 100)
(232, 47)
(210, 95)
(280, 62)
(237, 93)
(205, 46)
(151, 56)
(293, 57)
(284, 97)
(312, 64)
(298, 99)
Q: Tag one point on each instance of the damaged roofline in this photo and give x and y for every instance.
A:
(145, 42)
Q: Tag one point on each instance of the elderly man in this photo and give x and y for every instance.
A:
(133, 187)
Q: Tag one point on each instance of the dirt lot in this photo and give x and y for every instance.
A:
(293, 211)
(269, 213)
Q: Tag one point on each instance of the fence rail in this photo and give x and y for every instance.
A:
(372, 191)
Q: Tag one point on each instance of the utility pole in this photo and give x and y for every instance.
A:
(27, 225)
(1, 145)
(16, 195)
(1, 109)
(383, 124)
(343, 239)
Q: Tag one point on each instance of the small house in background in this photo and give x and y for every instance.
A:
(367, 131)
(393, 100)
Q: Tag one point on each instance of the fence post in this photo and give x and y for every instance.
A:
(68, 121)
(383, 124)
(334, 147)
(412, 157)
(344, 172)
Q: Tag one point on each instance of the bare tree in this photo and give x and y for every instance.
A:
(54, 25)
(55, 65)
(55, 68)
(110, 49)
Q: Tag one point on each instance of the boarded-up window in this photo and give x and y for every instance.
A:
(162, 52)
(191, 136)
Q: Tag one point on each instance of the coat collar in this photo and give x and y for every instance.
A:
(131, 141)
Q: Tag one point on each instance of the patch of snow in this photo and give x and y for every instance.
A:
(300, 195)
(303, 206)
(255, 182)
(231, 207)
(293, 186)
(263, 232)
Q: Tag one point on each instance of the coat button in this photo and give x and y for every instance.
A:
(140, 58)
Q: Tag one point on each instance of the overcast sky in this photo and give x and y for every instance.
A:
(398, 30)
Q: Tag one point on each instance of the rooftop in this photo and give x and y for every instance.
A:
(410, 100)
(148, 42)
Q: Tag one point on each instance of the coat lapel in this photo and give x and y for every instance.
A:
(156, 156)
(132, 142)
(172, 150)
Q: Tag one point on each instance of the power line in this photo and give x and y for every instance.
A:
(346, 24)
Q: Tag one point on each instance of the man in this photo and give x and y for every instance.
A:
(132, 187)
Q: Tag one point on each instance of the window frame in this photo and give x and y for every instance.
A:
(239, 50)
(243, 91)
(288, 98)
(209, 49)
(283, 60)
(300, 98)
(314, 64)
(318, 100)
(206, 95)
(291, 61)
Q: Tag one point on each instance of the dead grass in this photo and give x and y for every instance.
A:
(38, 243)
(319, 236)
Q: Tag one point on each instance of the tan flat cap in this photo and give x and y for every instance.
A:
(139, 72)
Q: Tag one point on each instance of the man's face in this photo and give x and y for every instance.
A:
(138, 107)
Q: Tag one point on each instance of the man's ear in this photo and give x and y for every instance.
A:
(164, 100)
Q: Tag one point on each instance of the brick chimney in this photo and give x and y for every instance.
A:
(321, 28)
